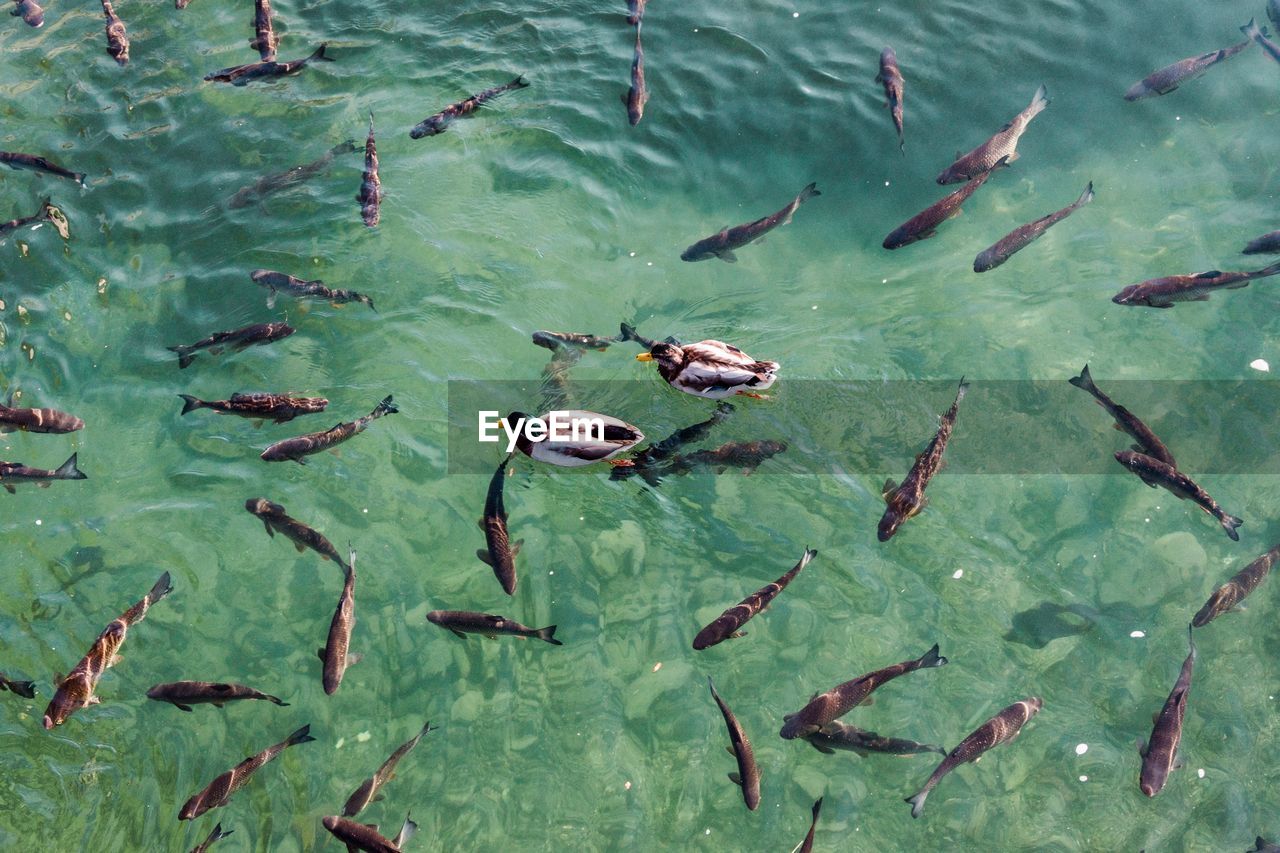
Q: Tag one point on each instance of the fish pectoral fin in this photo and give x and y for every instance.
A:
(352, 660)
(727, 256)
(93, 700)
(825, 750)
(868, 702)
(320, 653)
(215, 350)
(736, 634)
(44, 484)
(182, 707)
(887, 488)
(300, 547)
(484, 556)
(1142, 747)
(10, 489)
(267, 525)
(258, 424)
(735, 778)
(459, 634)
(492, 636)
(218, 704)
(515, 547)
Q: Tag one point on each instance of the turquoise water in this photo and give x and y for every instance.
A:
(548, 211)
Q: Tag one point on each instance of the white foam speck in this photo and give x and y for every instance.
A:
(1084, 778)
(633, 254)
(959, 573)
(1260, 364)
(1200, 772)
(365, 510)
(886, 183)
(708, 831)
(884, 281)
(551, 572)
(39, 522)
(340, 742)
(795, 14)
(626, 786)
(649, 264)
(1082, 748)
(363, 737)
(815, 308)
(1137, 635)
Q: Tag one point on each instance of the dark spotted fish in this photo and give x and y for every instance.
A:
(748, 775)
(1126, 421)
(439, 123)
(463, 622)
(270, 184)
(891, 78)
(806, 846)
(499, 552)
(559, 340)
(1259, 34)
(275, 519)
(236, 339)
(837, 735)
(925, 224)
(264, 40)
(278, 282)
(1166, 292)
(1001, 728)
(723, 244)
(305, 445)
(827, 707)
(629, 333)
(217, 834)
(12, 473)
(117, 41)
(1154, 473)
(219, 791)
(1001, 147)
(334, 656)
(1267, 244)
(1262, 845)
(906, 499)
(18, 160)
(660, 451)
(370, 195)
(240, 75)
(1273, 11)
(44, 214)
(183, 694)
(358, 836)
(37, 420)
(1160, 754)
(727, 624)
(26, 689)
(368, 790)
(1022, 236)
(29, 11)
(76, 691)
(1170, 77)
(638, 95)
(1230, 594)
(635, 12)
(280, 408)
(745, 455)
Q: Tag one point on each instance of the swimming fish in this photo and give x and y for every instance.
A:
(219, 791)
(1160, 754)
(1154, 473)
(925, 224)
(1230, 594)
(837, 735)
(745, 455)
(891, 78)
(275, 519)
(1262, 845)
(305, 445)
(29, 11)
(12, 473)
(499, 552)
(463, 622)
(1022, 236)
(906, 499)
(276, 282)
(723, 244)
(18, 160)
(1001, 147)
(629, 333)
(1001, 728)
(726, 625)
(806, 846)
(638, 95)
(270, 184)
(1167, 79)
(370, 195)
(659, 451)
(217, 834)
(1126, 421)
(183, 694)
(76, 691)
(280, 408)
(117, 41)
(439, 123)
(1259, 34)
(236, 339)
(358, 836)
(240, 75)
(1165, 292)
(334, 655)
(1273, 11)
(1039, 626)
(37, 420)
(559, 340)
(22, 688)
(369, 788)
(265, 39)
(635, 12)
(44, 214)
(839, 700)
(1268, 244)
(748, 775)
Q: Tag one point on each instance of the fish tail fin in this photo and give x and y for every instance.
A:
(1039, 101)
(385, 407)
(191, 404)
(917, 803)
(1251, 29)
(549, 634)
(319, 53)
(302, 735)
(1271, 270)
(46, 206)
(1229, 524)
(368, 300)
(932, 658)
(1085, 197)
(808, 192)
(626, 332)
(218, 833)
(406, 832)
(961, 390)
(370, 122)
(1084, 380)
(162, 587)
(68, 470)
(79, 176)
(278, 701)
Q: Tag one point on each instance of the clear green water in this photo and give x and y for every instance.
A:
(548, 211)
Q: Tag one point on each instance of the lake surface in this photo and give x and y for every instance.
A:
(548, 211)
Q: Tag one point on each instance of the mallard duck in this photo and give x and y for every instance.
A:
(570, 452)
(711, 369)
